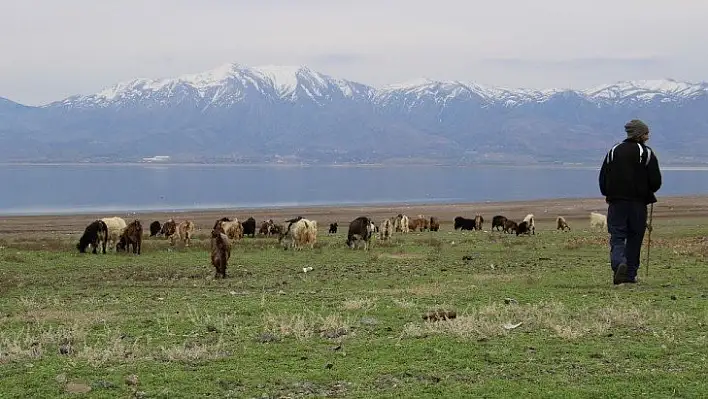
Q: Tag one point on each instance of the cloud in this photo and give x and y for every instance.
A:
(583, 62)
(53, 49)
(339, 59)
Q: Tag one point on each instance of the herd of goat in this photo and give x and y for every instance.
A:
(300, 232)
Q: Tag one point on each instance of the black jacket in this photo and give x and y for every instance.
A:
(630, 172)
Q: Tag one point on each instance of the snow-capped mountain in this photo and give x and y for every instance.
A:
(225, 86)
(667, 90)
(249, 114)
(233, 83)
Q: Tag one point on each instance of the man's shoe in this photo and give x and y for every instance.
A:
(621, 274)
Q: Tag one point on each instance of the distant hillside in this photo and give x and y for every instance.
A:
(293, 114)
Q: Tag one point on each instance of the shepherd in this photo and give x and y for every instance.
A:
(629, 179)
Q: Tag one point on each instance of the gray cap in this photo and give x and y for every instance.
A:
(636, 128)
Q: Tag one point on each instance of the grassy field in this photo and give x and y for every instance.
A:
(158, 325)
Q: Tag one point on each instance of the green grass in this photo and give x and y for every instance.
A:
(353, 327)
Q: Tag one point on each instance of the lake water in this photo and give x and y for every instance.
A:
(57, 189)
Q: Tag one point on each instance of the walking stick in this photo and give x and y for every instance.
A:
(651, 216)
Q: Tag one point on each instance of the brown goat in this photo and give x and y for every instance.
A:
(277, 229)
(561, 224)
(413, 224)
(132, 235)
(169, 228)
(421, 223)
(266, 228)
(478, 220)
(220, 251)
(434, 223)
(510, 226)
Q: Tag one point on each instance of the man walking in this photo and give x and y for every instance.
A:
(629, 178)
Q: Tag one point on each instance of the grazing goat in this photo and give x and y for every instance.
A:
(561, 224)
(333, 228)
(598, 220)
(249, 227)
(155, 228)
(169, 229)
(478, 220)
(277, 229)
(266, 228)
(401, 224)
(224, 219)
(116, 225)
(523, 228)
(300, 233)
(232, 228)
(386, 229)
(421, 223)
(510, 226)
(498, 222)
(132, 235)
(361, 230)
(220, 251)
(293, 220)
(185, 230)
(412, 224)
(95, 234)
(461, 223)
(529, 219)
(434, 223)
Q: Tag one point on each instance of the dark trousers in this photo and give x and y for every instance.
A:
(626, 223)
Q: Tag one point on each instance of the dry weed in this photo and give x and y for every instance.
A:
(193, 351)
(404, 304)
(225, 323)
(587, 241)
(694, 246)
(429, 289)
(303, 327)
(359, 304)
(563, 322)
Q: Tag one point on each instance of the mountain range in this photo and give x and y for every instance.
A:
(278, 114)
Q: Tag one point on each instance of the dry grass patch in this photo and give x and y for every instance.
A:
(359, 304)
(51, 243)
(225, 323)
(304, 326)
(191, 351)
(403, 303)
(65, 316)
(115, 348)
(429, 289)
(498, 320)
(34, 340)
(587, 241)
(498, 277)
(400, 256)
(694, 246)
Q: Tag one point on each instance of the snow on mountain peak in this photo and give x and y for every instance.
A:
(227, 84)
(231, 83)
(647, 90)
(641, 90)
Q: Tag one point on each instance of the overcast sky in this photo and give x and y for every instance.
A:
(50, 49)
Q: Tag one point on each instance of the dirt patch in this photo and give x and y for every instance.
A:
(575, 211)
(77, 387)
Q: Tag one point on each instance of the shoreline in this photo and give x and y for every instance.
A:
(545, 211)
(541, 165)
